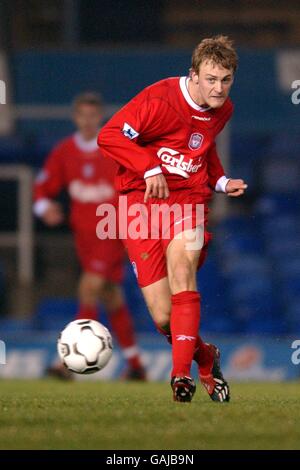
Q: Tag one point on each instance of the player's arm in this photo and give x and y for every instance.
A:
(121, 139)
(217, 179)
(47, 186)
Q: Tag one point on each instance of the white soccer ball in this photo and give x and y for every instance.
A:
(85, 346)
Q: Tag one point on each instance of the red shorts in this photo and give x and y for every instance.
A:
(148, 254)
(103, 257)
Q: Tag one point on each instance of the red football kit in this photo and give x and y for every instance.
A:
(162, 130)
(79, 167)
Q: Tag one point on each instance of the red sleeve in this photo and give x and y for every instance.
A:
(122, 137)
(49, 181)
(214, 167)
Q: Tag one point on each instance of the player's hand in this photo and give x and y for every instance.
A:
(156, 186)
(235, 188)
(53, 215)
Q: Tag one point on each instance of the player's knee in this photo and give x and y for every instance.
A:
(112, 297)
(89, 288)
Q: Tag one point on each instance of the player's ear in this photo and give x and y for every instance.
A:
(194, 76)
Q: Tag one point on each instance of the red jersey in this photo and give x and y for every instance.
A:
(79, 167)
(163, 130)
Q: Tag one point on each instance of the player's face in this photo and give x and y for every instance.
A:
(87, 118)
(212, 84)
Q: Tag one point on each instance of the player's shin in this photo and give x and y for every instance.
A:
(185, 318)
(203, 356)
(123, 329)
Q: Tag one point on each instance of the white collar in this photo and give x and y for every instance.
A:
(85, 145)
(183, 81)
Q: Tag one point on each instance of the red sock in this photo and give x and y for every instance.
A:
(185, 318)
(86, 311)
(203, 356)
(122, 327)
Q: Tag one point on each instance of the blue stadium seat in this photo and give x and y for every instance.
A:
(53, 314)
(253, 306)
(284, 143)
(258, 286)
(238, 244)
(12, 150)
(274, 204)
(271, 172)
(15, 325)
(234, 225)
(41, 148)
(245, 266)
(281, 225)
(290, 286)
(266, 325)
(222, 323)
(289, 267)
(283, 247)
(293, 316)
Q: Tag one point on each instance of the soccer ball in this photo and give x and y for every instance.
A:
(85, 346)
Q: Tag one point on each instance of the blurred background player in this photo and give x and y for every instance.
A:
(76, 164)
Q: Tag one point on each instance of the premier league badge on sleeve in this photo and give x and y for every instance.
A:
(129, 131)
(195, 141)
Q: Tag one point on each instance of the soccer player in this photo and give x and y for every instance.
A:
(164, 143)
(76, 164)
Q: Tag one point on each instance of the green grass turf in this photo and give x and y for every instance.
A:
(48, 414)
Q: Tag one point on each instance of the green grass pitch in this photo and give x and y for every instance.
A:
(47, 414)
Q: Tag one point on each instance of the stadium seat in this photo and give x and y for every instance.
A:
(281, 248)
(271, 172)
(233, 225)
(218, 323)
(259, 286)
(239, 244)
(266, 325)
(284, 143)
(15, 325)
(274, 204)
(281, 225)
(53, 314)
(293, 316)
(41, 146)
(12, 150)
(289, 267)
(245, 266)
(255, 305)
(291, 287)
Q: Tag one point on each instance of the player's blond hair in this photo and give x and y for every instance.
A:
(88, 97)
(219, 50)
